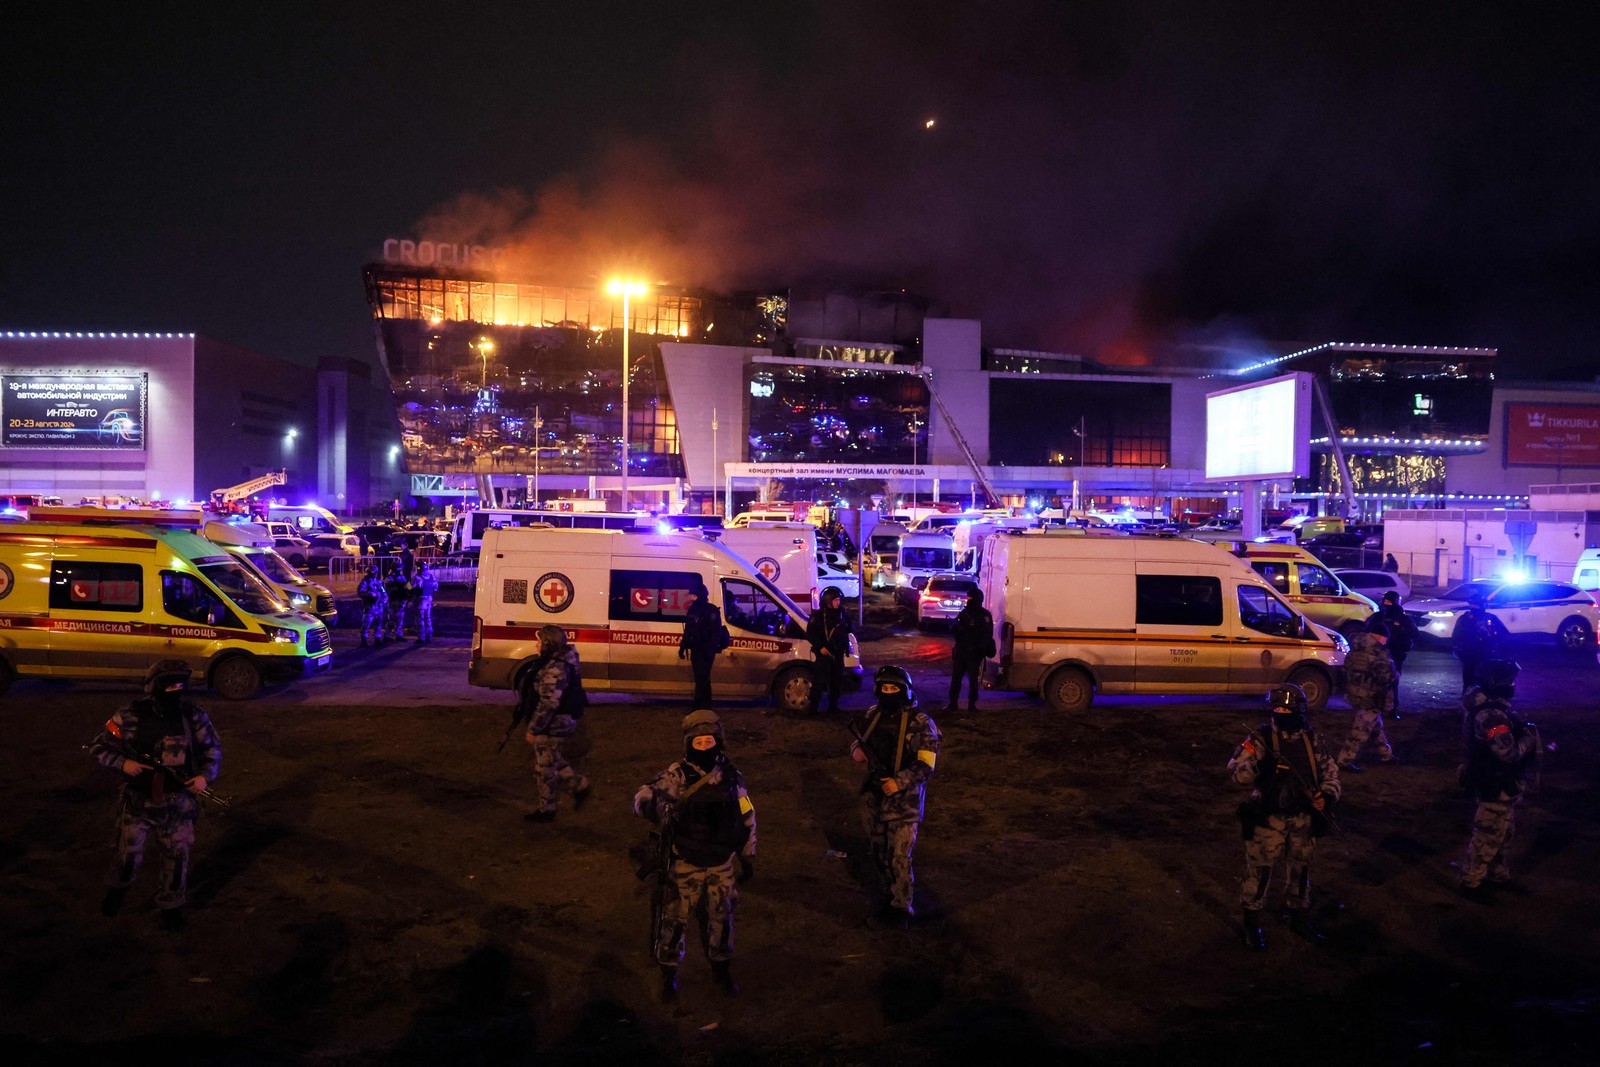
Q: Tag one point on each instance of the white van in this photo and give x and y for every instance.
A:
(621, 597)
(307, 519)
(1086, 613)
(469, 527)
(881, 553)
(1586, 575)
(254, 545)
(784, 552)
(921, 556)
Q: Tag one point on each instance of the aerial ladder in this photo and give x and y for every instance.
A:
(221, 499)
(992, 498)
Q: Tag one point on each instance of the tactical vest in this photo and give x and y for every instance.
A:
(1281, 792)
(889, 738)
(708, 826)
(1486, 777)
(1361, 679)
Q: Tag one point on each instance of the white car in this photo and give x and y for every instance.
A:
(847, 581)
(1373, 584)
(325, 547)
(1557, 609)
(297, 550)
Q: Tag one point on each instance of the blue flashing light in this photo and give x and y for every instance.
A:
(664, 527)
(1515, 577)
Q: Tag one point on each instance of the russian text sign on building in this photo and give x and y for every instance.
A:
(1553, 435)
(79, 411)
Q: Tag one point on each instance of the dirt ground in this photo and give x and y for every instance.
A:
(375, 895)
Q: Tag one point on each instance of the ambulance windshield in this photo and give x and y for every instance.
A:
(243, 588)
(276, 567)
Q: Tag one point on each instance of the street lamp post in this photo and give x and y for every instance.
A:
(625, 289)
(713, 460)
(538, 445)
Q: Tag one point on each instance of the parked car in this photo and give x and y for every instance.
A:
(294, 549)
(1519, 609)
(1341, 549)
(1373, 584)
(942, 599)
(325, 547)
(847, 581)
(377, 536)
(879, 569)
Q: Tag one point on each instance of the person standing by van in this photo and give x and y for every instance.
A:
(160, 730)
(703, 808)
(974, 633)
(704, 637)
(1293, 783)
(1370, 684)
(373, 602)
(554, 697)
(829, 632)
(900, 746)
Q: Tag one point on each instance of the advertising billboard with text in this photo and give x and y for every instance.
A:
(1553, 435)
(1261, 430)
(73, 411)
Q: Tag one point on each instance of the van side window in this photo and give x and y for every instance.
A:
(1179, 600)
(1261, 611)
(185, 597)
(1276, 574)
(747, 607)
(651, 596)
(1589, 578)
(1314, 581)
(79, 586)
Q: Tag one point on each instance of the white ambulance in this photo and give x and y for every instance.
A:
(621, 597)
(1080, 613)
(784, 552)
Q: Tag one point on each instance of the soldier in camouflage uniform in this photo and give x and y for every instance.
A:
(373, 601)
(1293, 783)
(160, 729)
(1499, 749)
(396, 590)
(901, 746)
(1370, 682)
(701, 800)
(553, 696)
(423, 588)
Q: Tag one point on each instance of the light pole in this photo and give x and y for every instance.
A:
(485, 346)
(538, 444)
(625, 289)
(713, 460)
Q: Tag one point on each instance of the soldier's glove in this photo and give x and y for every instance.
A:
(747, 869)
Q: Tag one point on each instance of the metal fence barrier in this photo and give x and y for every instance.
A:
(345, 572)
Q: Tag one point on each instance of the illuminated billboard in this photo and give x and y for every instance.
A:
(1553, 435)
(77, 411)
(1260, 431)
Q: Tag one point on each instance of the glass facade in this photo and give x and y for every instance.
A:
(493, 377)
(1033, 422)
(841, 414)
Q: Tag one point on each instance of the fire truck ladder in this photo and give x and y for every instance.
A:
(220, 497)
(993, 498)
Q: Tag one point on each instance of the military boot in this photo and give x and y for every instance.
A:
(1255, 938)
(669, 983)
(111, 903)
(722, 974)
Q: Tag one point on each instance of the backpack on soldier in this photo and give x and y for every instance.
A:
(573, 697)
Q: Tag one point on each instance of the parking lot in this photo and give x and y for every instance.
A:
(375, 895)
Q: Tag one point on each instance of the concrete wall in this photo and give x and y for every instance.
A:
(953, 350)
(1189, 422)
(1443, 547)
(166, 465)
(700, 379)
(246, 404)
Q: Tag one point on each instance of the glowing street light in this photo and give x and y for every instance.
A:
(485, 346)
(625, 289)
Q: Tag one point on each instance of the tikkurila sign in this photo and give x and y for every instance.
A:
(1553, 435)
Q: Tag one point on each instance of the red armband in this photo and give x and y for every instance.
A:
(1496, 731)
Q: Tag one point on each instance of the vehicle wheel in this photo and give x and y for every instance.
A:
(1574, 635)
(1068, 690)
(792, 691)
(1352, 629)
(1316, 685)
(236, 678)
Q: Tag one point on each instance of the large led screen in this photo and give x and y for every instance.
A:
(1261, 430)
(1553, 435)
(72, 411)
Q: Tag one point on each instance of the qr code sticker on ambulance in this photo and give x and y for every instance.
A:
(516, 591)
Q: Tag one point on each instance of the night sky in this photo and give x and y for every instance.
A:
(1103, 179)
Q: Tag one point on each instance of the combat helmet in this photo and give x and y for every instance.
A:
(1288, 702)
(166, 674)
(1498, 678)
(892, 685)
(702, 723)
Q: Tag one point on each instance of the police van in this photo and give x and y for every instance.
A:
(107, 601)
(1079, 613)
(621, 596)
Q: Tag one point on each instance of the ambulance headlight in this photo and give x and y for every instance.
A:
(299, 600)
(283, 637)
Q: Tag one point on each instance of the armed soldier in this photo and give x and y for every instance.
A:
(704, 637)
(829, 632)
(1473, 641)
(900, 746)
(395, 590)
(1402, 636)
(373, 602)
(1499, 749)
(974, 633)
(1294, 782)
(1370, 686)
(701, 805)
(169, 754)
(423, 588)
(553, 701)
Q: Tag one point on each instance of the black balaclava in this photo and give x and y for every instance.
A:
(705, 759)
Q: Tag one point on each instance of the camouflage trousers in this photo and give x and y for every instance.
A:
(706, 896)
(551, 771)
(1369, 722)
(172, 825)
(394, 616)
(425, 618)
(1285, 840)
(892, 843)
(372, 621)
(1492, 827)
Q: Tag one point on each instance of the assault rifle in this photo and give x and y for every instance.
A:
(176, 780)
(874, 764)
(659, 863)
(526, 702)
(1321, 821)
